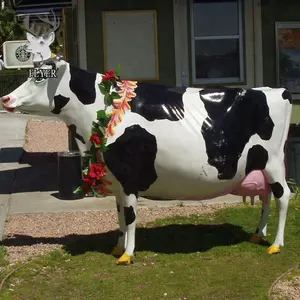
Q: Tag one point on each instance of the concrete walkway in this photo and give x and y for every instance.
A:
(27, 187)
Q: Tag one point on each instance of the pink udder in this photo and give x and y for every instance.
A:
(253, 185)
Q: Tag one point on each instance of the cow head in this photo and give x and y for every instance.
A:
(73, 96)
(40, 36)
(40, 94)
(36, 94)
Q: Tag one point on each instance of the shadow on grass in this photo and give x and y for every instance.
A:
(165, 239)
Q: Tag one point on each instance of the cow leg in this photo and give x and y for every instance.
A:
(244, 199)
(130, 206)
(261, 231)
(119, 249)
(275, 172)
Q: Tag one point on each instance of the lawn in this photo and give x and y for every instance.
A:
(190, 258)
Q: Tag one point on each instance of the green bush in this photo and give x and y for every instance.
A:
(10, 80)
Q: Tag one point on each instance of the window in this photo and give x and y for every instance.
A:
(217, 41)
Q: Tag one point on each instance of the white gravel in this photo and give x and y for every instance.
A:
(46, 136)
(287, 289)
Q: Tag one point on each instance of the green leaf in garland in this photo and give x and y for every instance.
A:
(106, 85)
(105, 122)
(95, 124)
(115, 95)
(103, 148)
(102, 88)
(102, 130)
(101, 114)
(95, 130)
(85, 171)
(79, 190)
(108, 100)
(96, 194)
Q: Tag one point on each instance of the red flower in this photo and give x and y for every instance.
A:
(86, 188)
(97, 171)
(109, 75)
(95, 139)
(89, 180)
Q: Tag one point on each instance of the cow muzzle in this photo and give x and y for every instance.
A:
(9, 103)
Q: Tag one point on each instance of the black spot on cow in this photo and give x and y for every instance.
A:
(121, 233)
(129, 215)
(59, 102)
(82, 84)
(234, 115)
(286, 95)
(118, 208)
(131, 159)
(257, 159)
(277, 189)
(158, 102)
(73, 130)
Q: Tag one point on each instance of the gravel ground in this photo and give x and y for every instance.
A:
(30, 235)
(46, 136)
(287, 289)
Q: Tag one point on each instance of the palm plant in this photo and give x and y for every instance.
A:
(10, 28)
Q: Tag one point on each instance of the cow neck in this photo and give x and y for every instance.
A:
(79, 113)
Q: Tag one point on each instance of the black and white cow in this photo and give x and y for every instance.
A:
(174, 143)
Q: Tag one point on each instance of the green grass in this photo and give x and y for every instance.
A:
(177, 258)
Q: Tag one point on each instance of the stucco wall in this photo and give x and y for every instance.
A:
(94, 33)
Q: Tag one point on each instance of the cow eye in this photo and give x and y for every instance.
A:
(39, 79)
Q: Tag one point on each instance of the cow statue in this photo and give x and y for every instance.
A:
(173, 143)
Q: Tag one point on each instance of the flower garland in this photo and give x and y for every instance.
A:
(94, 168)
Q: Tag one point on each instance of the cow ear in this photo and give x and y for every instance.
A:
(50, 38)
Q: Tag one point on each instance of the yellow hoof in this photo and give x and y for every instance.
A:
(274, 250)
(117, 251)
(256, 239)
(125, 259)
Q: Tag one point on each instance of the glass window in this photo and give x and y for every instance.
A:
(217, 41)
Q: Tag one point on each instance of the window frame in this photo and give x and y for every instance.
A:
(239, 36)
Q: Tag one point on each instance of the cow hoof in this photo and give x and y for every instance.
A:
(117, 251)
(125, 260)
(256, 239)
(274, 250)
